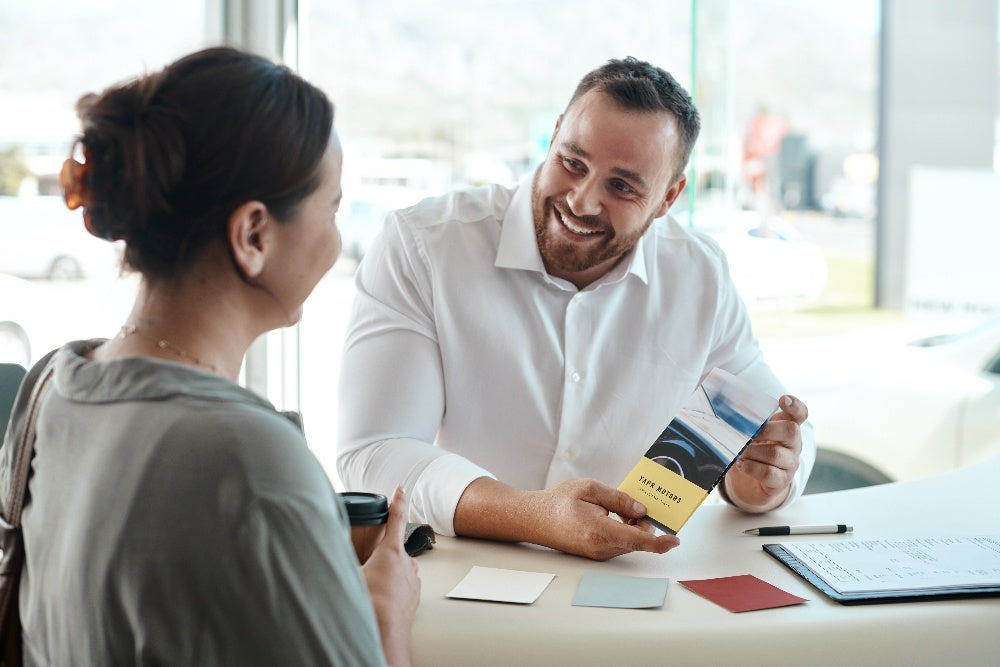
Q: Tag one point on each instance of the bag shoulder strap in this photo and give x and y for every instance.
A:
(22, 436)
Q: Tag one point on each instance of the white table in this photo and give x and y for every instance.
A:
(689, 629)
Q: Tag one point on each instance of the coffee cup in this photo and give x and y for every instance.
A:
(368, 513)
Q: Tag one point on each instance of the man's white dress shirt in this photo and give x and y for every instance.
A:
(464, 358)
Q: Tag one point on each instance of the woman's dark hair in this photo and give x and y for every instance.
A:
(637, 85)
(172, 154)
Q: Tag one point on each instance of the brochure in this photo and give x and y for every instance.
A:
(692, 454)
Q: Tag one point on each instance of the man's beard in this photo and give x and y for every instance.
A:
(565, 256)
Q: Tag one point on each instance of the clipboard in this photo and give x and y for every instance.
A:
(876, 597)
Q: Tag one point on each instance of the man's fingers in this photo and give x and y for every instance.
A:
(791, 408)
(773, 445)
(613, 500)
(641, 525)
(626, 538)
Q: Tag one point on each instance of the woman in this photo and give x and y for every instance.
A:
(173, 516)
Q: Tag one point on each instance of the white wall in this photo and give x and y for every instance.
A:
(938, 108)
(954, 242)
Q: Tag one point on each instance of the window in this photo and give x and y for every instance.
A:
(432, 95)
(51, 52)
(438, 94)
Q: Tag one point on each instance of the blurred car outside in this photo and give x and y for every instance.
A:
(852, 192)
(19, 321)
(898, 401)
(769, 260)
(359, 221)
(374, 186)
(41, 238)
(363, 212)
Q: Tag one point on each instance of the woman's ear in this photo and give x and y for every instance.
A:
(247, 232)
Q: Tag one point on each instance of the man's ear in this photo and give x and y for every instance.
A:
(247, 231)
(673, 192)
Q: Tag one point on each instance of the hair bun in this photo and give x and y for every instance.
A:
(169, 155)
(139, 156)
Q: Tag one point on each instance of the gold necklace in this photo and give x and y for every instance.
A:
(164, 344)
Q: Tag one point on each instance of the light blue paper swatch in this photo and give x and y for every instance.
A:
(598, 589)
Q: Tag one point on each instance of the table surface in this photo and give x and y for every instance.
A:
(689, 629)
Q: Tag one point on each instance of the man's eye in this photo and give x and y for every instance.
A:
(623, 187)
(573, 165)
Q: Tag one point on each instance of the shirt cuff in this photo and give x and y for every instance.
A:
(436, 493)
(807, 458)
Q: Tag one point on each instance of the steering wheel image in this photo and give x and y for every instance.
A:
(689, 455)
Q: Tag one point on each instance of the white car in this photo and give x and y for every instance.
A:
(363, 211)
(768, 258)
(41, 238)
(896, 402)
(19, 307)
(359, 222)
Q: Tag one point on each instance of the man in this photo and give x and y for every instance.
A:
(513, 352)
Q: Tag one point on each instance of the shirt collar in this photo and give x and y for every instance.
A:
(518, 248)
(139, 379)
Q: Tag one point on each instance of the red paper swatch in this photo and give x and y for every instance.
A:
(743, 592)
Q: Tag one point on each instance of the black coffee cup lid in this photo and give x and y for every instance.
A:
(366, 509)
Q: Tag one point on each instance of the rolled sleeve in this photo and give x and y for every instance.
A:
(392, 394)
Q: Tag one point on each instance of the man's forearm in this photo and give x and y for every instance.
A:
(496, 511)
(574, 516)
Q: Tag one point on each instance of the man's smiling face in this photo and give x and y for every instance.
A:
(609, 173)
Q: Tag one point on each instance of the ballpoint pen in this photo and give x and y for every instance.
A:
(800, 530)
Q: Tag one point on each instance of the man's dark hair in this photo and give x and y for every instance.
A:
(639, 86)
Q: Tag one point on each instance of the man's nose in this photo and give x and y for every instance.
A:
(584, 198)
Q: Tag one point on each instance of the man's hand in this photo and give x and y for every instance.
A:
(761, 477)
(573, 516)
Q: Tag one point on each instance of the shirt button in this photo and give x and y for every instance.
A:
(575, 377)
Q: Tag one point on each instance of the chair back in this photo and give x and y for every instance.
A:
(10, 379)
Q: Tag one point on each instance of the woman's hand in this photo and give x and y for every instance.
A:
(394, 585)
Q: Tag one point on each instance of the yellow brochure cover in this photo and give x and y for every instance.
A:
(692, 454)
